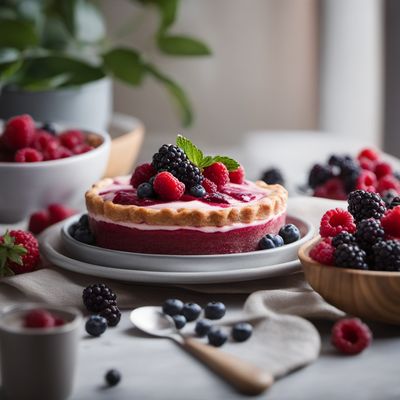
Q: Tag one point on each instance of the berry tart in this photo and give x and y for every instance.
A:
(185, 203)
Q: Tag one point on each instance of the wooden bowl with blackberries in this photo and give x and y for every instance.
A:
(355, 262)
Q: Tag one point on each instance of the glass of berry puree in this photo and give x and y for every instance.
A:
(38, 351)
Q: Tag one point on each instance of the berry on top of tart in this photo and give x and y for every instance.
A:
(185, 202)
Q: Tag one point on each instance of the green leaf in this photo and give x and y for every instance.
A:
(229, 163)
(52, 82)
(168, 10)
(177, 93)
(15, 258)
(125, 64)
(7, 70)
(17, 34)
(182, 46)
(55, 35)
(194, 154)
(88, 22)
(206, 162)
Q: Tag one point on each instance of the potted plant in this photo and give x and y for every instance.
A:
(56, 60)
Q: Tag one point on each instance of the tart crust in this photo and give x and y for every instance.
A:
(273, 204)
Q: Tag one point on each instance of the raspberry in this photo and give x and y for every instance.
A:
(71, 138)
(82, 148)
(335, 221)
(98, 297)
(388, 182)
(39, 221)
(12, 244)
(332, 189)
(273, 176)
(366, 164)
(322, 252)
(217, 173)
(387, 255)
(28, 154)
(343, 237)
(369, 231)
(351, 336)
(237, 176)
(383, 168)
(168, 187)
(210, 186)
(42, 140)
(366, 181)
(350, 256)
(363, 205)
(19, 132)
(368, 153)
(319, 174)
(142, 174)
(391, 222)
(39, 319)
(59, 212)
(124, 198)
(55, 153)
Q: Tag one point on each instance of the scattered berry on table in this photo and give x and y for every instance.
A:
(210, 186)
(19, 252)
(217, 173)
(335, 221)
(366, 181)
(217, 337)
(270, 241)
(142, 174)
(49, 127)
(112, 377)
(331, 189)
(145, 190)
(343, 237)
(319, 175)
(28, 155)
(215, 310)
(71, 138)
(241, 331)
(369, 231)
(349, 173)
(351, 336)
(363, 205)
(323, 252)
(383, 168)
(391, 222)
(39, 319)
(59, 212)
(337, 160)
(368, 153)
(180, 321)
(387, 255)
(237, 176)
(289, 233)
(198, 191)
(98, 297)
(172, 307)
(202, 327)
(168, 187)
(39, 221)
(171, 158)
(19, 132)
(191, 311)
(96, 325)
(273, 176)
(112, 314)
(350, 256)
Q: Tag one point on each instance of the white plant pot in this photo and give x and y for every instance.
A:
(88, 106)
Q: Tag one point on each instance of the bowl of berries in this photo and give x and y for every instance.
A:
(355, 262)
(42, 164)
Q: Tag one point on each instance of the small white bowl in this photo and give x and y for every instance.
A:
(28, 187)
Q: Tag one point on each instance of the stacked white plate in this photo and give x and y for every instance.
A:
(60, 248)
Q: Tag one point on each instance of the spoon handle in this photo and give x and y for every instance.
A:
(245, 377)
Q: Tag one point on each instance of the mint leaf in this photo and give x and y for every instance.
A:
(194, 154)
(206, 162)
(229, 163)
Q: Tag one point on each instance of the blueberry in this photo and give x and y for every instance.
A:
(273, 176)
(197, 191)
(215, 310)
(172, 307)
(49, 127)
(96, 325)
(72, 229)
(83, 235)
(84, 220)
(202, 327)
(180, 321)
(270, 242)
(113, 377)
(191, 311)
(145, 190)
(241, 331)
(216, 337)
(290, 233)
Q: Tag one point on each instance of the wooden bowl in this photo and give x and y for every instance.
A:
(373, 295)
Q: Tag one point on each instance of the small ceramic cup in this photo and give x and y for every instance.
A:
(38, 363)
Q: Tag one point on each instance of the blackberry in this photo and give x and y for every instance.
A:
(319, 174)
(343, 238)
(112, 377)
(336, 160)
(173, 159)
(395, 202)
(49, 127)
(387, 255)
(273, 176)
(369, 231)
(363, 205)
(98, 297)
(388, 196)
(111, 314)
(349, 172)
(350, 256)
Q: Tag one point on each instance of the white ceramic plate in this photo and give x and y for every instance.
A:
(185, 263)
(53, 251)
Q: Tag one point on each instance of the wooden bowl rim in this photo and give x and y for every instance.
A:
(307, 261)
